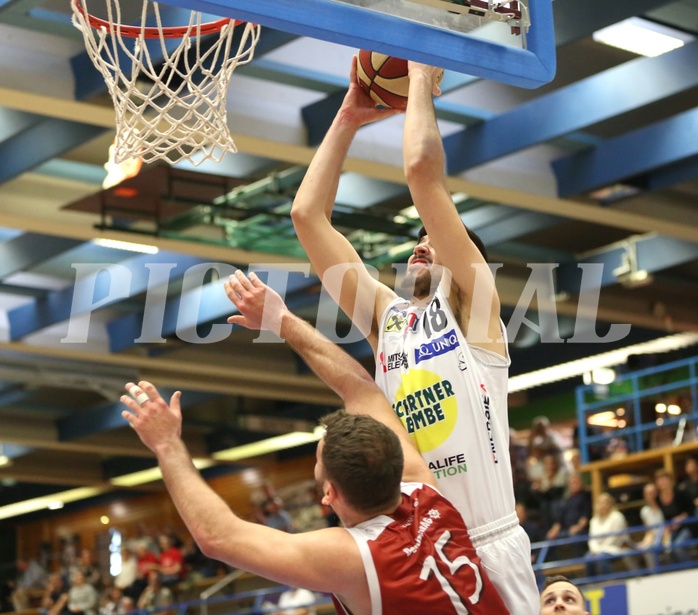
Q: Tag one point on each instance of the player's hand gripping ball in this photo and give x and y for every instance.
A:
(384, 78)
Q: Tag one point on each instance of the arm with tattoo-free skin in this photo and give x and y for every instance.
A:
(332, 256)
(260, 306)
(325, 560)
(424, 162)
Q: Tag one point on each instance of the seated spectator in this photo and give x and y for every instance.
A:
(155, 593)
(146, 561)
(651, 515)
(607, 519)
(111, 601)
(30, 576)
(550, 488)
(276, 516)
(128, 574)
(573, 518)
(560, 595)
(89, 569)
(690, 484)
(83, 598)
(55, 598)
(127, 605)
(676, 507)
(532, 528)
(543, 440)
(171, 565)
(295, 601)
(196, 564)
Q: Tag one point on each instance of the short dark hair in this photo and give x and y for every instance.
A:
(559, 578)
(363, 458)
(473, 237)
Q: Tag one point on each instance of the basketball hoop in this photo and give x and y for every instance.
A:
(170, 103)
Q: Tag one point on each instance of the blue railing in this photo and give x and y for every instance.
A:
(662, 555)
(628, 391)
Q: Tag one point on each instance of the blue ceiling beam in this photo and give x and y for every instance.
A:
(30, 249)
(13, 394)
(681, 171)
(575, 20)
(571, 108)
(124, 280)
(362, 28)
(654, 253)
(107, 416)
(631, 154)
(43, 141)
(516, 225)
(203, 305)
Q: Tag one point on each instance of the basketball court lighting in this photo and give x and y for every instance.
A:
(151, 474)
(34, 504)
(270, 445)
(125, 245)
(641, 36)
(612, 358)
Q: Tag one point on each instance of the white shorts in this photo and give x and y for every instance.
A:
(505, 551)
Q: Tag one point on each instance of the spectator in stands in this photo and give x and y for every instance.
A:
(690, 484)
(294, 601)
(543, 440)
(89, 569)
(573, 519)
(604, 548)
(560, 595)
(128, 574)
(146, 561)
(31, 577)
(532, 528)
(83, 598)
(111, 601)
(651, 515)
(55, 598)
(676, 507)
(171, 564)
(127, 605)
(196, 564)
(550, 488)
(276, 516)
(155, 593)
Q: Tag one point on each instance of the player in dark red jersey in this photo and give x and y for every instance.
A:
(403, 547)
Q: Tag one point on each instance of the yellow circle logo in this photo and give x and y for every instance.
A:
(426, 405)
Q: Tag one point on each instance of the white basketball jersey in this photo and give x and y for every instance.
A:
(452, 399)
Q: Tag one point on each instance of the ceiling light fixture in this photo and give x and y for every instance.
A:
(641, 36)
(612, 358)
(125, 245)
(28, 506)
(151, 474)
(270, 445)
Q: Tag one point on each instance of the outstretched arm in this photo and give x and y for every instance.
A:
(333, 257)
(324, 560)
(473, 296)
(260, 305)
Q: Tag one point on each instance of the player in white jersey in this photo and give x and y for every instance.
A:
(444, 354)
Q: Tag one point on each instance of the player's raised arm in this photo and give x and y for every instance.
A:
(261, 306)
(324, 560)
(473, 294)
(332, 256)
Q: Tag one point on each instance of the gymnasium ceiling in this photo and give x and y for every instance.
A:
(596, 166)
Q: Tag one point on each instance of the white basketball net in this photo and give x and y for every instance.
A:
(172, 106)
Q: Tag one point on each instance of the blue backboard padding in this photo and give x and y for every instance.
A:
(363, 28)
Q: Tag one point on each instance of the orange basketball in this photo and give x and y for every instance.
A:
(384, 78)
